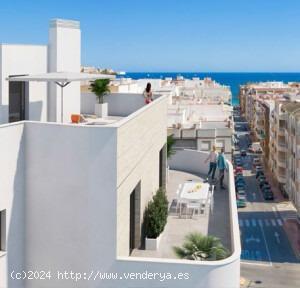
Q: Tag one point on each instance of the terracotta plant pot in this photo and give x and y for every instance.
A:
(75, 118)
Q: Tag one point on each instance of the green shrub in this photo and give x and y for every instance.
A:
(156, 214)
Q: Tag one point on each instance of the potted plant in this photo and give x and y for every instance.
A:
(100, 88)
(155, 219)
(201, 248)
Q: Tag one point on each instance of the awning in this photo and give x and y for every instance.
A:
(61, 79)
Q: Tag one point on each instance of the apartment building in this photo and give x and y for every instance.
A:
(73, 196)
(200, 126)
(252, 91)
(292, 132)
(273, 116)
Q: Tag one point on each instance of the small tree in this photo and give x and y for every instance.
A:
(100, 88)
(156, 214)
(200, 247)
(170, 143)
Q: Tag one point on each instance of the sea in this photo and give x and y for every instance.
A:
(234, 80)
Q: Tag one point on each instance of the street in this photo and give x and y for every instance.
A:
(267, 256)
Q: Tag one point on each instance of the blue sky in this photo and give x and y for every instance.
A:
(165, 35)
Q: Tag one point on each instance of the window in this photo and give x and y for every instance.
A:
(220, 144)
(205, 146)
(3, 230)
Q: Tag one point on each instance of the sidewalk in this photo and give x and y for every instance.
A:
(292, 229)
(274, 184)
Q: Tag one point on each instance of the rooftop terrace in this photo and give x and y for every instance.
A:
(214, 222)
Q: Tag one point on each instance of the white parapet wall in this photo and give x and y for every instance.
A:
(119, 104)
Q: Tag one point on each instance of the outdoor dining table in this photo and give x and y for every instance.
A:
(194, 192)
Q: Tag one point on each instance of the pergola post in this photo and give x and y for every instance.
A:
(62, 86)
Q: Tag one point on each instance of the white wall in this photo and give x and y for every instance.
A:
(70, 199)
(20, 60)
(64, 55)
(140, 140)
(119, 104)
(12, 198)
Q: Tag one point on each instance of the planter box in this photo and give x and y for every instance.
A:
(153, 243)
(101, 110)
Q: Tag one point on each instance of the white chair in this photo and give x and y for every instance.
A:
(194, 206)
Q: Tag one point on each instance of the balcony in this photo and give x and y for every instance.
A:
(281, 131)
(219, 220)
(281, 177)
(281, 146)
(281, 161)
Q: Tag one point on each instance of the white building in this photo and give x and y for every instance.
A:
(200, 126)
(40, 101)
(73, 195)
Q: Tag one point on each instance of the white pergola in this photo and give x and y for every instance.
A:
(62, 79)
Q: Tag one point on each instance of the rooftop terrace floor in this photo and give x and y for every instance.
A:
(215, 222)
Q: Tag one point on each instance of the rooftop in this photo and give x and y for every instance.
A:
(215, 222)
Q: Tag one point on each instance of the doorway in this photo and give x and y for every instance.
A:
(135, 219)
(16, 101)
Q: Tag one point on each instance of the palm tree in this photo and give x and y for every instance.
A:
(100, 88)
(200, 247)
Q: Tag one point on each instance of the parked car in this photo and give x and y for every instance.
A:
(259, 173)
(241, 192)
(268, 195)
(256, 162)
(258, 168)
(240, 180)
(238, 169)
(241, 203)
(241, 197)
(263, 183)
(266, 186)
(259, 151)
(243, 153)
(262, 178)
(240, 185)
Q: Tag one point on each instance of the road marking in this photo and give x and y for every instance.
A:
(266, 244)
(252, 239)
(279, 221)
(254, 263)
(247, 223)
(254, 222)
(260, 222)
(267, 222)
(276, 234)
(273, 222)
(241, 223)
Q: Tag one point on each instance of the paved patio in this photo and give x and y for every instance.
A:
(215, 222)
